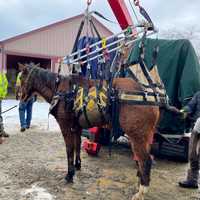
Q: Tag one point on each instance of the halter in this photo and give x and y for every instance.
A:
(30, 73)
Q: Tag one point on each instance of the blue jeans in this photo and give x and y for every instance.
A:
(25, 113)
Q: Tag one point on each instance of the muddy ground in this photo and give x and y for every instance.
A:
(35, 161)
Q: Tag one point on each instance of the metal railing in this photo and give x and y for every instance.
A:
(124, 40)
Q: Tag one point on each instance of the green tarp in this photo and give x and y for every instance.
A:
(179, 70)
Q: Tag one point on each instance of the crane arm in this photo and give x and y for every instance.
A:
(122, 14)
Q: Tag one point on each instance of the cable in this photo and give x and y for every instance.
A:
(105, 18)
(134, 11)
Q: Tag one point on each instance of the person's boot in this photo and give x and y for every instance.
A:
(1, 140)
(22, 129)
(191, 181)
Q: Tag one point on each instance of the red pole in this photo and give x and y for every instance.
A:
(121, 13)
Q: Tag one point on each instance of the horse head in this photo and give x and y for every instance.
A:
(27, 79)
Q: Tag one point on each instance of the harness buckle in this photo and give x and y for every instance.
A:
(57, 79)
(157, 97)
(145, 95)
(88, 66)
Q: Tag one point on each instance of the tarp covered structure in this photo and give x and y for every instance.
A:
(179, 69)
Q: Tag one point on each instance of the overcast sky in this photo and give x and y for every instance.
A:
(19, 16)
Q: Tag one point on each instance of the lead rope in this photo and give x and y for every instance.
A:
(48, 122)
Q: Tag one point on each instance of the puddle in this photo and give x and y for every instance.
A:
(37, 193)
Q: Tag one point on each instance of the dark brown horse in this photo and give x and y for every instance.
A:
(138, 121)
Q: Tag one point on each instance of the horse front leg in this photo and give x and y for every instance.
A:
(144, 163)
(69, 141)
(144, 178)
(78, 150)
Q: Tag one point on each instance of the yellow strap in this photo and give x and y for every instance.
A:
(136, 97)
(103, 41)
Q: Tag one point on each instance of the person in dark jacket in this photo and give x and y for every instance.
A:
(193, 109)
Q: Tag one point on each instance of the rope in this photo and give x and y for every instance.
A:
(95, 29)
(91, 29)
(103, 17)
(88, 67)
(48, 122)
(9, 109)
(134, 11)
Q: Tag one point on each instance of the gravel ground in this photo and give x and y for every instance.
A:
(33, 166)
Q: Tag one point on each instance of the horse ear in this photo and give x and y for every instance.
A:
(38, 65)
(21, 66)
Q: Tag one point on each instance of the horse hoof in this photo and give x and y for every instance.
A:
(142, 191)
(138, 196)
(68, 179)
(78, 167)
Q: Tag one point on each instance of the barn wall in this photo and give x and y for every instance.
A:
(2, 61)
(56, 40)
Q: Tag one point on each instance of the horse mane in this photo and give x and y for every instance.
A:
(44, 75)
(47, 76)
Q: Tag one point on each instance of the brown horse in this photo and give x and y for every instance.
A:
(138, 121)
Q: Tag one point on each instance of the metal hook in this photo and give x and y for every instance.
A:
(145, 95)
(89, 2)
(137, 2)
